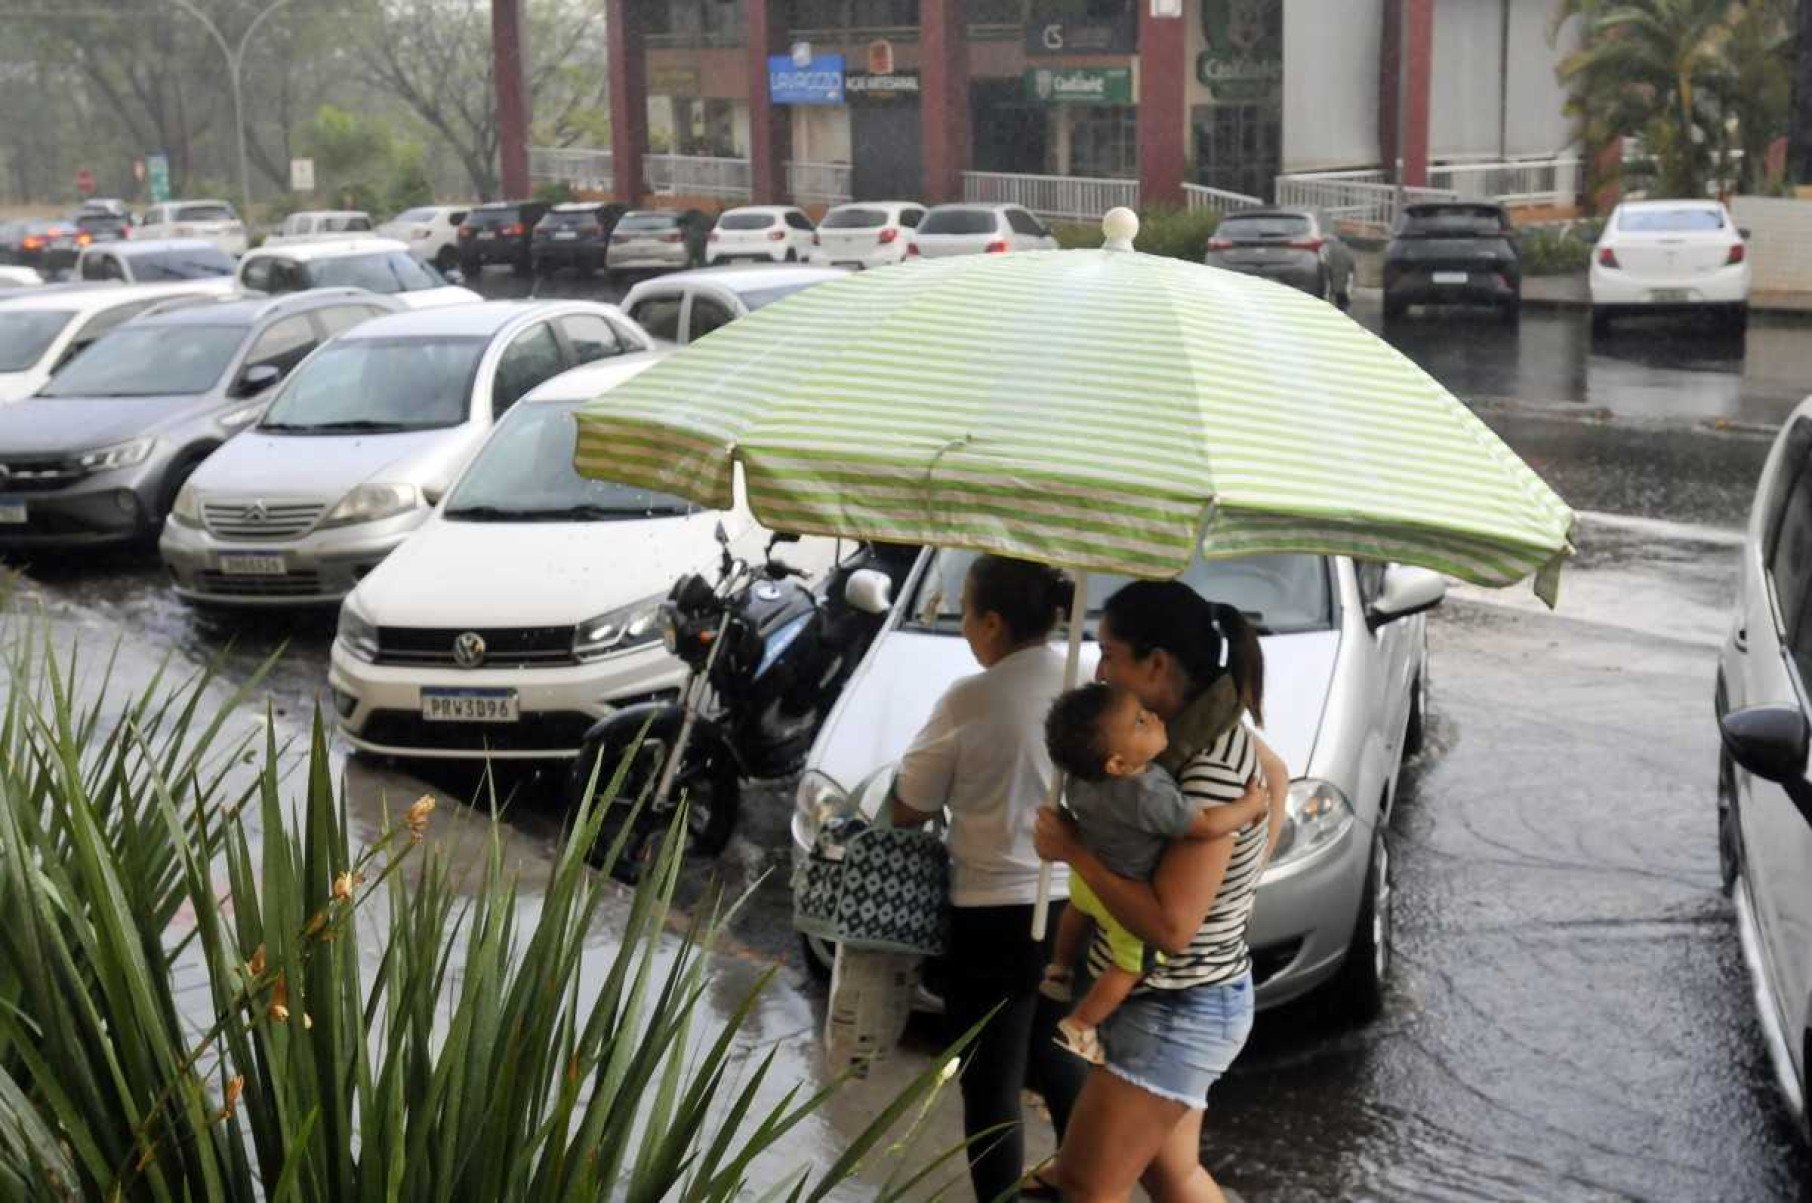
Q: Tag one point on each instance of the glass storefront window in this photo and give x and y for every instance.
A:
(1104, 142)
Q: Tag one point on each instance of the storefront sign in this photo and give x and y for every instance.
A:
(818, 81)
(1079, 85)
(674, 81)
(861, 87)
(1059, 28)
(1244, 59)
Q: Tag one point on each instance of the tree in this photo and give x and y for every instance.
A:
(1759, 94)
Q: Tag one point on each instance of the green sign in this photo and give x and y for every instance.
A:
(1080, 85)
(1244, 59)
(157, 175)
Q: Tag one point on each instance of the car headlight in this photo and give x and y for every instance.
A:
(620, 629)
(373, 503)
(187, 507)
(123, 455)
(818, 798)
(357, 633)
(236, 419)
(1316, 816)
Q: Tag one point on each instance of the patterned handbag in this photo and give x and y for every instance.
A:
(875, 887)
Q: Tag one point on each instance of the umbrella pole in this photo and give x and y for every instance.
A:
(1072, 668)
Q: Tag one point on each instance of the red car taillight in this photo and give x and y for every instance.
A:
(912, 250)
(1220, 244)
(997, 247)
(886, 236)
(676, 236)
(713, 237)
(514, 231)
(33, 243)
(1738, 253)
(776, 235)
(1607, 258)
(83, 239)
(467, 232)
(1305, 244)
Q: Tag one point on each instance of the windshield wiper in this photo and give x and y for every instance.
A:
(492, 513)
(358, 426)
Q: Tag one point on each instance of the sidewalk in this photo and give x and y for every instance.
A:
(1570, 292)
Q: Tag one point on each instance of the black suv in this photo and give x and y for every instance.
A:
(1453, 253)
(500, 232)
(575, 235)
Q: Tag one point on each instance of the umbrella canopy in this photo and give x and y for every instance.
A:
(1097, 410)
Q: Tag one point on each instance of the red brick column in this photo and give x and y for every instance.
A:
(1418, 67)
(770, 125)
(1390, 85)
(512, 96)
(626, 59)
(944, 98)
(1163, 117)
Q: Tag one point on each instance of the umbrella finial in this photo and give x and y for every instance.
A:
(1119, 227)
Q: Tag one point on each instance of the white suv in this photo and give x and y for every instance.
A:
(760, 233)
(215, 220)
(979, 230)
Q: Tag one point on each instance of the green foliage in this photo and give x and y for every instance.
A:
(375, 1022)
(410, 186)
(1557, 250)
(1176, 233)
(554, 192)
(1074, 236)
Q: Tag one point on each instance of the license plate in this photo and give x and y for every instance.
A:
(251, 564)
(565, 235)
(1451, 277)
(1665, 295)
(485, 235)
(469, 705)
(12, 513)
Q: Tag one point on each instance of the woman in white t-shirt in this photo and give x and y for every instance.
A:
(981, 757)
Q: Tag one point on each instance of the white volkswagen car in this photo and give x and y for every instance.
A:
(1670, 256)
(519, 660)
(1345, 698)
(870, 234)
(761, 234)
(375, 264)
(979, 230)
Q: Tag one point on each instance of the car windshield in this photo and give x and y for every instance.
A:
(1669, 221)
(525, 474)
(760, 297)
(854, 219)
(646, 223)
(1284, 225)
(25, 334)
(571, 220)
(198, 263)
(1281, 594)
(208, 212)
(150, 361)
(379, 385)
(387, 271)
(484, 219)
(746, 221)
(1452, 223)
(958, 221)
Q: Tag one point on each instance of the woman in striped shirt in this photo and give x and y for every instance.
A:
(1198, 665)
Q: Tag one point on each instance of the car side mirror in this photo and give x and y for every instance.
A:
(1768, 741)
(1406, 591)
(721, 535)
(869, 591)
(257, 378)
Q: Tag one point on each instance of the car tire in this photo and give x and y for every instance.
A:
(1343, 300)
(523, 266)
(1510, 312)
(1730, 836)
(1394, 308)
(446, 259)
(1359, 989)
(1601, 322)
(472, 269)
(1736, 320)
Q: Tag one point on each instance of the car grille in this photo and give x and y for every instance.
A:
(254, 521)
(294, 584)
(39, 476)
(549, 731)
(508, 647)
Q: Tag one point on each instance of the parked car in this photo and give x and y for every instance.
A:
(871, 234)
(47, 247)
(658, 239)
(1762, 699)
(154, 261)
(1453, 253)
(1298, 247)
(101, 452)
(364, 441)
(1670, 256)
(215, 220)
(685, 306)
(575, 235)
(111, 206)
(1345, 701)
(313, 225)
(374, 264)
(518, 662)
(979, 229)
(12, 278)
(432, 232)
(43, 329)
(102, 226)
(761, 234)
(500, 232)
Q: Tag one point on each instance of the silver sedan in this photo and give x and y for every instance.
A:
(1298, 247)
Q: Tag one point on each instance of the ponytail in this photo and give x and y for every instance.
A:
(1245, 659)
(1208, 640)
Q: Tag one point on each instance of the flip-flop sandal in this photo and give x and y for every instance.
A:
(1035, 1187)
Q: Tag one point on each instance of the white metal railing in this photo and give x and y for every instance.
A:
(579, 166)
(1355, 201)
(697, 175)
(1057, 197)
(1200, 196)
(818, 183)
(1537, 181)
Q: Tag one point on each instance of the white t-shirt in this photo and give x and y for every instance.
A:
(981, 754)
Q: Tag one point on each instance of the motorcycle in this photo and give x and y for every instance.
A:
(766, 658)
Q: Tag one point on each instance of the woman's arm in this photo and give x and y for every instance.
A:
(1165, 912)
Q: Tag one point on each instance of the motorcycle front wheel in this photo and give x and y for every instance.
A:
(707, 785)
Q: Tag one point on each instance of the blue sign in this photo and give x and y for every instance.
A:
(817, 80)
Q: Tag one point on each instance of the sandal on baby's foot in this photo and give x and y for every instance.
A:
(1058, 984)
(1085, 1042)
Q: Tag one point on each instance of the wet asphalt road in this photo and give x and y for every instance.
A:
(1570, 1017)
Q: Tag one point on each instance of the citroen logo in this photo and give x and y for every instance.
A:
(255, 512)
(469, 650)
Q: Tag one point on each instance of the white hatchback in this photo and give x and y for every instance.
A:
(871, 234)
(979, 230)
(761, 234)
(431, 233)
(1670, 256)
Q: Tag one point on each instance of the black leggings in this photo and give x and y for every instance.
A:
(994, 963)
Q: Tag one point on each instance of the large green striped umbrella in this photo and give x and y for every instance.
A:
(1097, 410)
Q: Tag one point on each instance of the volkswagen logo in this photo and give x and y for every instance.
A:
(469, 650)
(255, 512)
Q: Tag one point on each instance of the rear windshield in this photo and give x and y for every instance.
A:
(483, 219)
(746, 221)
(1452, 223)
(958, 221)
(571, 221)
(346, 223)
(201, 263)
(26, 333)
(1669, 221)
(99, 221)
(1281, 226)
(647, 222)
(205, 212)
(854, 219)
(388, 272)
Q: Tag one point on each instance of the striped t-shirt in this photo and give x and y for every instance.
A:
(1216, 776)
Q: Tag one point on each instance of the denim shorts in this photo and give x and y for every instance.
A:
(1176, 1043)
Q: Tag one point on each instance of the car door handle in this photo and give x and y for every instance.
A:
(1741, 639)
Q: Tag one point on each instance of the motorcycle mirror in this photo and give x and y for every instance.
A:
(781, 536)
(723, 536)
(869, 591)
